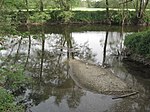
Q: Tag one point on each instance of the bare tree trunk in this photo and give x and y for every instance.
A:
(144, 6)
(107, 12)
(137, 5)
(140, 8)
(41, 6)
(123, 16)
(107, 8)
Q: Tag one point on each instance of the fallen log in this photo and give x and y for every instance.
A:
(126, 95)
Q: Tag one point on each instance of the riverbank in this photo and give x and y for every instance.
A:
(138, 58)
(80, 17)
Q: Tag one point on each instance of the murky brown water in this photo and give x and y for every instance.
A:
(43, 54)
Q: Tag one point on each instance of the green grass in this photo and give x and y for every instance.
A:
(96, 9)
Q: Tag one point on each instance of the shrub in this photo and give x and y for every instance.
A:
(139, 43)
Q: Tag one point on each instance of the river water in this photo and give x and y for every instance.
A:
(44, 51)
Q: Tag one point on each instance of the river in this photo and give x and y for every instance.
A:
(44, 51)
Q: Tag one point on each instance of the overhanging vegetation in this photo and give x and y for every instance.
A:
(139, 43)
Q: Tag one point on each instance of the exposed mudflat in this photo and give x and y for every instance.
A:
(96, 78)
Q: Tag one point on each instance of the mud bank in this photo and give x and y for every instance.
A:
(140, 59)
(96, 78)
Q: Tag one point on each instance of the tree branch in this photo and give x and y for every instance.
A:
(126, 95)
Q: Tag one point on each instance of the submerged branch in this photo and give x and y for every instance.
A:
(126, 95)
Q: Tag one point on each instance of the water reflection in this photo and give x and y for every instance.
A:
(105, 45)
(28, 53)
(45, 55)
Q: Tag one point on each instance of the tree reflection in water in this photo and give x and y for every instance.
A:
(55, 74)
(104, 52)
(45, 58)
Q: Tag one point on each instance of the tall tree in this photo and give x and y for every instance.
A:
(107, 8)
(107, 12)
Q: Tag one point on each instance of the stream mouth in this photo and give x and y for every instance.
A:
(42, 53)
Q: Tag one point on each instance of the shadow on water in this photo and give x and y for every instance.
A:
(44, 53)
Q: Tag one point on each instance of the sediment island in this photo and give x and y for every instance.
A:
(99, 79)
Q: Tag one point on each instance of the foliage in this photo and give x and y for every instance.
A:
(13, 4)
(147, 17)
(3, 19)
(61, 16)
(89, 16)
(20, 17)
(116, 17)
(7, 102)
(6, 24)
(39, 17)
(66, 16)
(139, 43)
(13, 78)
(94, 16)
